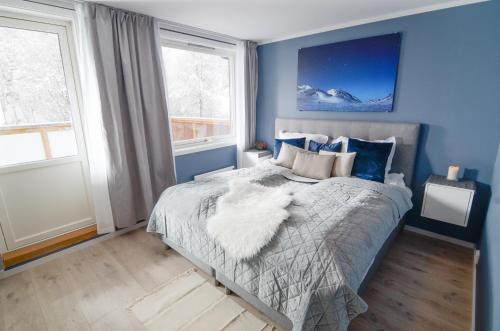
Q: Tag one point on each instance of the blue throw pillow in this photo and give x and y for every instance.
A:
(370, 160)
(315, 147)
(299, 142)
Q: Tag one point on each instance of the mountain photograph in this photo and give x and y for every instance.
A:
(338, 77)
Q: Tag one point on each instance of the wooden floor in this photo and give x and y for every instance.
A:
(423, 284)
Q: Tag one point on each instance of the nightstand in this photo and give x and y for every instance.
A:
(448, 201)
(253, 156)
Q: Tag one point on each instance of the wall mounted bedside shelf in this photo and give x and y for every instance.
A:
(252, 157)
(448, 201)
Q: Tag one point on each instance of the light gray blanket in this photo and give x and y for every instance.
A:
(312, 268)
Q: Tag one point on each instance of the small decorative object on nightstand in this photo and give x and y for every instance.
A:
(453, 171)
(260, 145)
(448, 200)
(253, 156)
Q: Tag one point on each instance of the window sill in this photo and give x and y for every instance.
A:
(190, 149)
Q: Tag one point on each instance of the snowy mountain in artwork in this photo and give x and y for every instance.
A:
(349, 76)
(311, 98)
(385, 100)
(343, 95)
(311, 94)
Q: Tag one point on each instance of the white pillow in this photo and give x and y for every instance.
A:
(287, 155)
(345, 142)
(342, 166)
(313, 165)
(320, 138)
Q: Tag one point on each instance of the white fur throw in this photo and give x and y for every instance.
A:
(247, 217)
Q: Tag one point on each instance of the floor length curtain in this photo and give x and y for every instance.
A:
(93, 128)
(126, 52)
(247, 77)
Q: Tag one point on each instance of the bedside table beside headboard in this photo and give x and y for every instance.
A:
(448, 201)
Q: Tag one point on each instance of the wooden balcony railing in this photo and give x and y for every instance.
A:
(184, 128)
(42, 129)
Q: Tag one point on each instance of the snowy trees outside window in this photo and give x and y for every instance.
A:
(35, 110)
(32, 84)
(198, 89)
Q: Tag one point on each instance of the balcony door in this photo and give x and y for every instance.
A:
(44, 188)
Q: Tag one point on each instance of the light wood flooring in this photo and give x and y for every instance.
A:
(423, 284)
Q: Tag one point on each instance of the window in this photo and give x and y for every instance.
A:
(35, 106)
(200, 94)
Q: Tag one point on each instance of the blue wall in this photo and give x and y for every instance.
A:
(448, 80)
(488, 272)
(197, 163)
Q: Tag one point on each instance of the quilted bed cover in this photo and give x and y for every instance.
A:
(312, 268)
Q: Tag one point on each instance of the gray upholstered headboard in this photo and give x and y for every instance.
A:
(406, 136)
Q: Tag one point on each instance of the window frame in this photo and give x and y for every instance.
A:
(64, 30)
(195, 145)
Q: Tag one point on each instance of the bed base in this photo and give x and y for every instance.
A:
(193, 259)
(380, 256)
(276, 317)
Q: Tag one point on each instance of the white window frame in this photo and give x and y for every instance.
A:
(66, 45)
(179, 41)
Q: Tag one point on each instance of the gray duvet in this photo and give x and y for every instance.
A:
(312, 268)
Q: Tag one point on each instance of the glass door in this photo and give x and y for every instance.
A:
(43, 168)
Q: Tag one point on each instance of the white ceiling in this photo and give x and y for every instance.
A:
(272, 20)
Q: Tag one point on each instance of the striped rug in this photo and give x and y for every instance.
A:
(190, 302)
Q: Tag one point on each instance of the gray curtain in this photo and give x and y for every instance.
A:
(247, 71)
(128, 63)
(251, 86)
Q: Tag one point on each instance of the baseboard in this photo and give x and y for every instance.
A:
(77, 247)
(440, 237)
(474, 280)
(30, 252)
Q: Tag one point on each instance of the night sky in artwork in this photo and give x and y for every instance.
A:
(366, 68)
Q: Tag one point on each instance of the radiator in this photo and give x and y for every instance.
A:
(210, 173)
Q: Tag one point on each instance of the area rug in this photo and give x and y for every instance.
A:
(190, 302)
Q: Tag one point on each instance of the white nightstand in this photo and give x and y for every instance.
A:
(252, 157)
(448, 201)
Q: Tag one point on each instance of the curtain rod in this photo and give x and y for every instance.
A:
(165, 29)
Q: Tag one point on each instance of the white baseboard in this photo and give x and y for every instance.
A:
(440, 237)
(65, 251)
(474, 280)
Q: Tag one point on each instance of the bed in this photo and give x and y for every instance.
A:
(312, 272)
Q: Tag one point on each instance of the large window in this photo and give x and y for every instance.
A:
(200, 94)
(35, 106)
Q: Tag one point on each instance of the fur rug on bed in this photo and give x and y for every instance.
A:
(247, 217)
